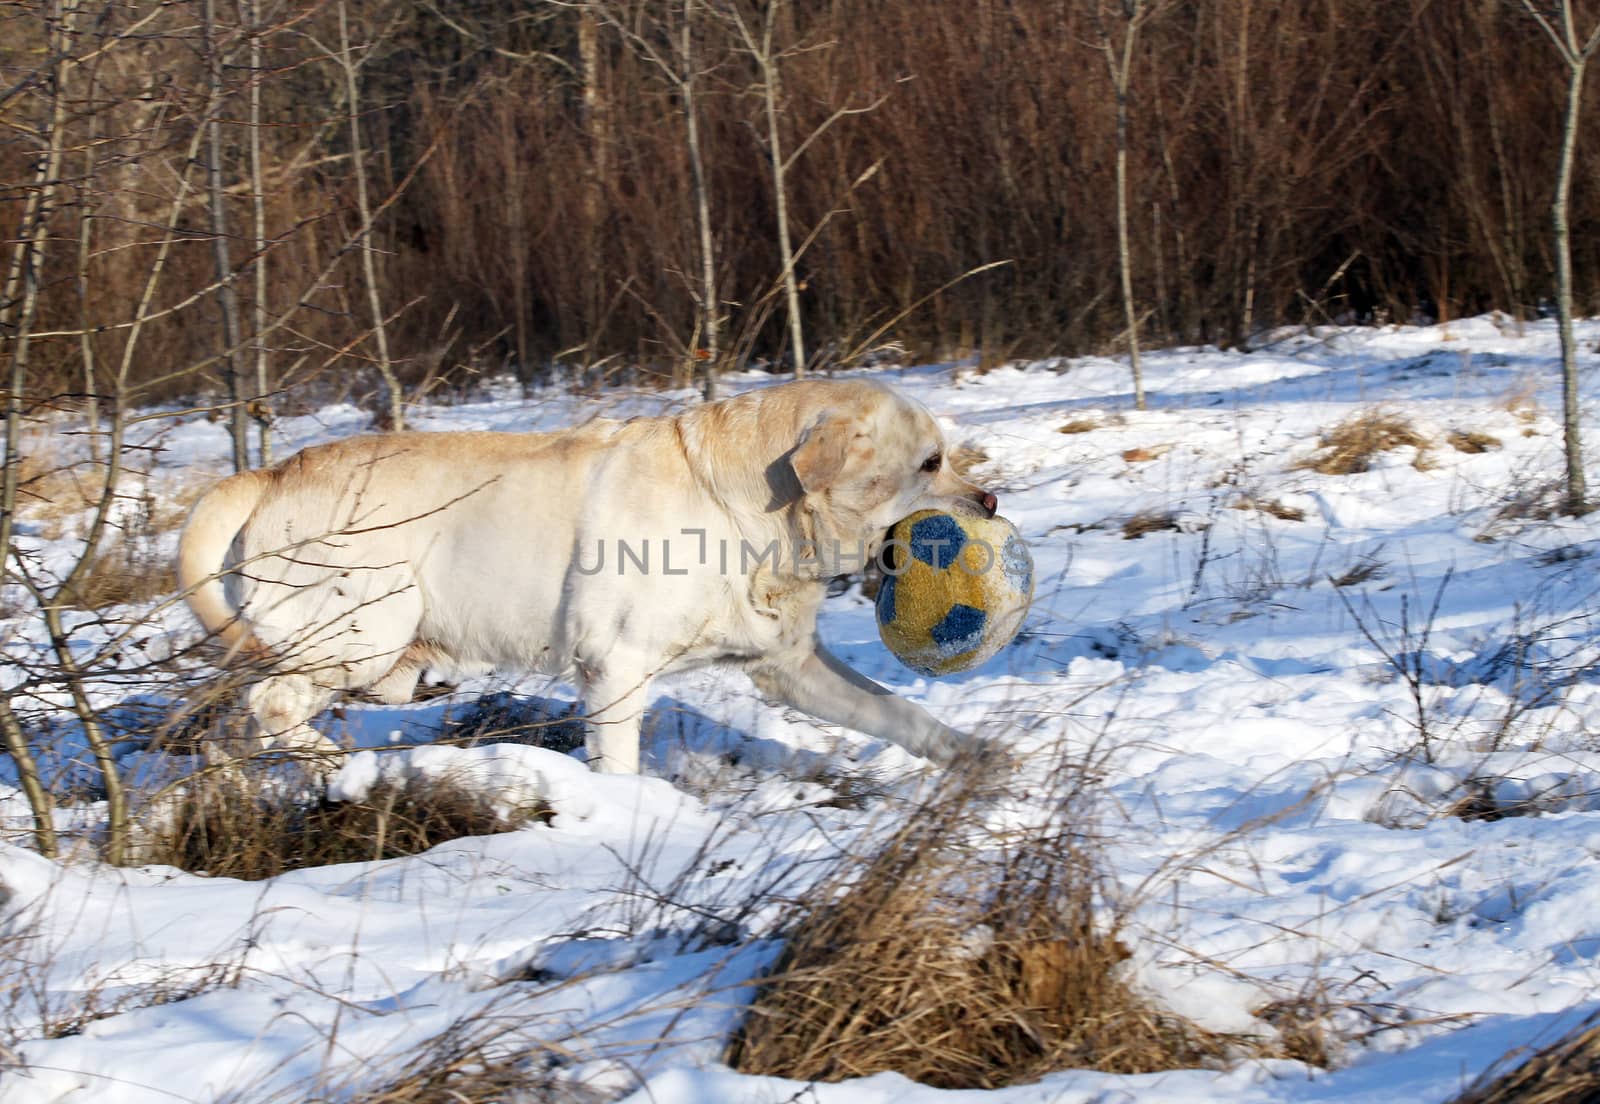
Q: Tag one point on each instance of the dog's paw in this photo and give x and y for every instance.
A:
(955, 750)
(986, 759)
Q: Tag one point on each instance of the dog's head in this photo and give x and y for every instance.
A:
(866, 456)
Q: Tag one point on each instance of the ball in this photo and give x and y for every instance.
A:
(954, 590)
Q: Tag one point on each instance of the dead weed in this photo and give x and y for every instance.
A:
(1472, 441)
(959, 968)
(1566, 1071)
(243, 823)
(1271, 506)
(1350, 447)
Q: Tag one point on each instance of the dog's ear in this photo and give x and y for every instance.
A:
(820, 456)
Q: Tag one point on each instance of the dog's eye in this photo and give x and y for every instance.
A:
(933, 463)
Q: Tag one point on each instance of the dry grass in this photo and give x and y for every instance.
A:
(1472, 441)
(1522, 397)
(1476, 803)
(131, 565)
(102, 1003)
(469, 1064)
(74, 1014)
(1364, 570)
(1080, 425)
(1304, 1034)
(1565, 1072)
(49, 495)
(1148, 521)
(495, 1054)
(34, 1006)
(1529, 500)
(964, 458)
(245, 824)
(126, 572)
(1272, 506)
(1146, 453)
(1349, 447)
(959, 969)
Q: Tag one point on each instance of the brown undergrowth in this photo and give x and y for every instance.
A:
(1566, 1071)
(1350, 447)
(962, 960)
(247, 823)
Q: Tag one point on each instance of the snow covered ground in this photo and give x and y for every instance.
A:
(1294, 681)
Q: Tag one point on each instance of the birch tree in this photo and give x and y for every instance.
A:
(1559, 24)
(1117, 38)
(673, 51)
(250, 16)
(227, 294)
(350, 69)
(758, 42)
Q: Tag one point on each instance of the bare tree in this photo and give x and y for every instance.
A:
(227, 295)
(136, 265)
(352, 91)
(595, 120)
(1117, 45)
(710, 338)
(1560, 26)
(672, 51)
(250, 16)
(758, 42)
(19, 302)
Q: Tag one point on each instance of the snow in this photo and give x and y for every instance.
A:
(1281, 760)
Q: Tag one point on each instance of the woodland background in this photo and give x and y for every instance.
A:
(425, 190)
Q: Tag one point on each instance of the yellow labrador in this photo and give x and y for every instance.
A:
(612, 553)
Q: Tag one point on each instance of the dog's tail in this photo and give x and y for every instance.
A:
(213, 523)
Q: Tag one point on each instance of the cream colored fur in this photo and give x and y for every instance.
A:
(352, 566)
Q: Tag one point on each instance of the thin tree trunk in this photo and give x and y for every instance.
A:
(780, 200)
(22, 276)
(514, 195)
(364, 208)
(94, 733)
(595, 127)
(1511, 233)
(710, 322)
(86, 347)
(40, 803)
(1576, 491)
(1120, 69)
(262, 411)
(1247, 320)
(1188, 314)
(227, 295)
(22, 288)
(1124, 252)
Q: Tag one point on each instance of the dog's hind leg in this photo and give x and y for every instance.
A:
(399, 686)
(283, 705)
(356, 631)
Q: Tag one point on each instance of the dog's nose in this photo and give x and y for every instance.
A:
(989, 503)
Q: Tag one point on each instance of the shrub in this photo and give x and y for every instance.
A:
(1472, 441)
(960, 968)
(1349, 447)
(1566, 1071)
(254, 824)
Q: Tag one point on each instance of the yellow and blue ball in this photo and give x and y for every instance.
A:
(954, 590)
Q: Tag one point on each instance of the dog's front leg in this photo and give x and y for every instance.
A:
(614, 697)
(819, 683)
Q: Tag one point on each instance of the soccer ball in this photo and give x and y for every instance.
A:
(954, 591)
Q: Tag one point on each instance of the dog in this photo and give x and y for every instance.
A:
(609, 553)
